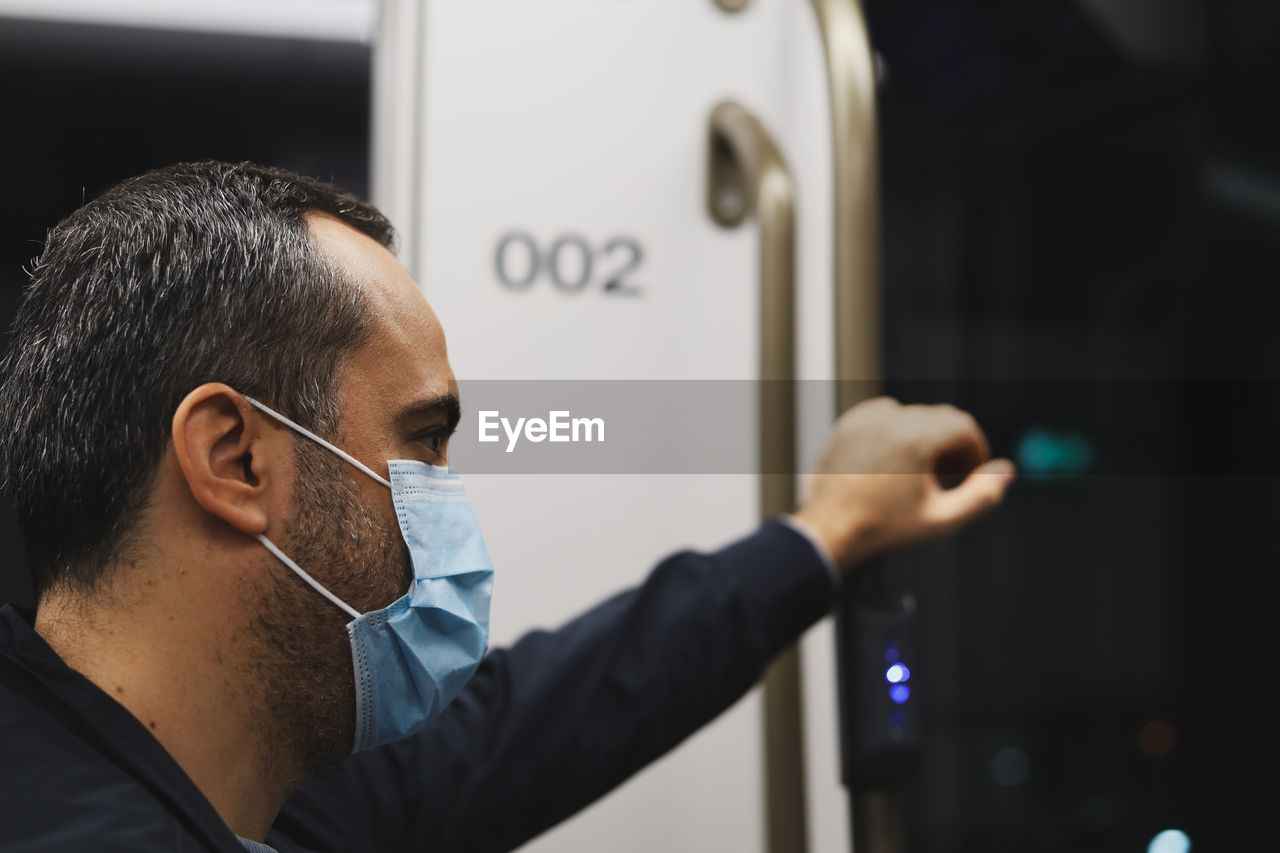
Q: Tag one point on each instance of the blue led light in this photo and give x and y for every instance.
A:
(897, 674)
(891, 654)
(1170, 841)
(899, 693)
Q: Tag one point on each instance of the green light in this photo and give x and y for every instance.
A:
(1044, 452)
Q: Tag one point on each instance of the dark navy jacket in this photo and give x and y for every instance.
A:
(543, 729)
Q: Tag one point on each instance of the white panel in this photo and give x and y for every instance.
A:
(395, 135)
(556, 118)
(582, 117)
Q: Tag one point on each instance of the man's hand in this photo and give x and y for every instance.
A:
(877, 485)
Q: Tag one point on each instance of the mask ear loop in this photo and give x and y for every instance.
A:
(318, 440)
(315, 584)
(270, 546)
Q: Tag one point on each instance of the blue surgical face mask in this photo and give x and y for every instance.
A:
(413, 656)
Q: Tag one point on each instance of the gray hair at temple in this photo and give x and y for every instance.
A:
(198, 272)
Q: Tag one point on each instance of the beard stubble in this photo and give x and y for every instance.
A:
(305, 668)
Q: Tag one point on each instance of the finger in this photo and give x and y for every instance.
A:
(980, 492)
(954, 445)
(872, 404)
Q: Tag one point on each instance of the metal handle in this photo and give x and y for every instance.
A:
(748, 177)
(851, 81)
(877, 815)
(741, 154)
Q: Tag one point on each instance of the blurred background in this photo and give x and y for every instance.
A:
(1081, 236)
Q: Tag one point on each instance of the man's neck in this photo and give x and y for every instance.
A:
(181, 673)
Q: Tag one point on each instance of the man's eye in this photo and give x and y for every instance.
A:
(433, 440)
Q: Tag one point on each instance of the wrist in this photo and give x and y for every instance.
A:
(845, 537)
(819, 547)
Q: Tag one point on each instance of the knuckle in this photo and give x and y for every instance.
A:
(881, 402)
(960, 416)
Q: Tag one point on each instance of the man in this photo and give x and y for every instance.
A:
(209, 373)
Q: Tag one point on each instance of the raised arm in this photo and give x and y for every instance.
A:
(563, 717)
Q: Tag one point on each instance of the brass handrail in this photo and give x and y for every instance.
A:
(747, 176)
(877, 816)
(851, 82)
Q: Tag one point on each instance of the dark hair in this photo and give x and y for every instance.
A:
(199, 272)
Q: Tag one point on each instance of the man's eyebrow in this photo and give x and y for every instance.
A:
(446, 405)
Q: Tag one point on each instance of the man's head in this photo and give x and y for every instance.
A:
(136, 464)
(195, 273)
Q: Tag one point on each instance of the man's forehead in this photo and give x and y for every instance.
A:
(406, 332)
(366, 260)
(395, 297)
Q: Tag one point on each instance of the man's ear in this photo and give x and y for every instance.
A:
(220, 445)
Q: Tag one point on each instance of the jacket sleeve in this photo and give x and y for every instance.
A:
(561, 718)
